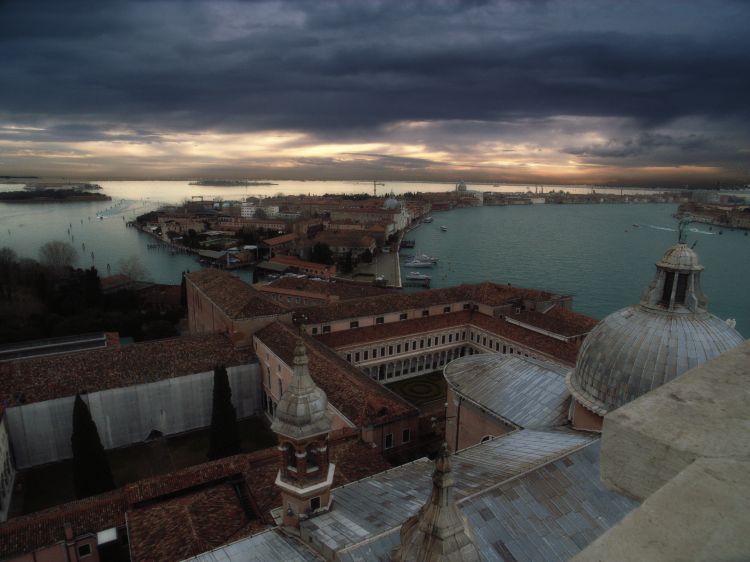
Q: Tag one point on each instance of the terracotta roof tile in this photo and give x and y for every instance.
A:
(232, 295)
(44, 378)
(564, 351)
(29, 532)
(359, 398)
(339, 288)
(489, 294)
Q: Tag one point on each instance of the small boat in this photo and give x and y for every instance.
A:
(425, 257)
(417, 263)
(417, 276)
(427, 219)
(444, 228)
(636, 225)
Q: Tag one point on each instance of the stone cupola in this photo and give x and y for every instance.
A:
(302, 426)
(438, 532)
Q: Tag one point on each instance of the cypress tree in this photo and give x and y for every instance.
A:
(183, 291)
(91, 470)
(224, 437)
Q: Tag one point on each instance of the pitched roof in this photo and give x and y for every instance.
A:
(338, 287)
(185, 512)
(43, 378)
(359, 398)
(527, 392)
(232, 295)
(562, 350)
(490, 294)
(283, 239)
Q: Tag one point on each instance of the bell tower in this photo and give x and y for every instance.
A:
(302, 426)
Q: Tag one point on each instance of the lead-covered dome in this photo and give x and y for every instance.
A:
(641, 347)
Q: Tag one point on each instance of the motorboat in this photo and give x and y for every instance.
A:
(427, 219)
(425, 257)
(417, 276)
(444, 228)
(417, 263)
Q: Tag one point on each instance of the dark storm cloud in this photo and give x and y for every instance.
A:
(353, 66)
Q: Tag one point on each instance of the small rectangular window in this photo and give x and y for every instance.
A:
(356, 357)
(398, 348)
(414, 345)
(366, 354)
(349, 357)
(466, 306)
(382, 351)
(315, 503)
(379, 320)
(402, 316)
(374, 352)
(425, 313)
(314, 331)
(446, 309)
(354, 324)
(405, 436)
(390, 350)
(326, 329)
(84, 550)
(389, 441)
(450, 338)
(442, 340)
(421, 344)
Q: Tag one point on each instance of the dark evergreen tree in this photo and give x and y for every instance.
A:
(91, 470)
(348, 266)
(224, 437)
(321, 253)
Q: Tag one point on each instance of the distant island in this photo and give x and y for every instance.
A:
(230, 183)
(51, 196)
(79, 187)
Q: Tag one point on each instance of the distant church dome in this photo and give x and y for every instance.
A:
(641, 347)
(392, 203)
(461, 186)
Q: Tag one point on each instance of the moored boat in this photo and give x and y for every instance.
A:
(444, 228)
(417, 276)
(417, 263)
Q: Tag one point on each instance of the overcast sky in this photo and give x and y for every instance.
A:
(529, 90)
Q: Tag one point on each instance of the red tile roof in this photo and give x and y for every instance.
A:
(232, 295)
(558, 320)
(359, 398)
(490, 294)
(564, 351)
(29, 532)
(44, 378)
(339, 288)
(283, 239)
(184, 513)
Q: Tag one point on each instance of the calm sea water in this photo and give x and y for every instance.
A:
(590, 251)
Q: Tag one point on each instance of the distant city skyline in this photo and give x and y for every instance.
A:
(538, 91)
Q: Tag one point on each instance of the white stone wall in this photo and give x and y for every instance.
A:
(7, 473)
(40, 432)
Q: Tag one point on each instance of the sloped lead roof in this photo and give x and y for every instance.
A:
(524, 391)
(302, 409)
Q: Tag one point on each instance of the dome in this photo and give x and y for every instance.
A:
(391, 203)
(302, 409)
(678, 257)
(639, 348)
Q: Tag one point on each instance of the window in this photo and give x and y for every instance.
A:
(467, 306)
(315, 503)
(84, 550)
(429, 342)
(505, 350)
(486, 438)
(281, 387)
(442, 340)
(374, 353)
(450, 338)
(425, 313)
(389, 441)
(446, 309)
(421, 344)
(354, 324)
(682, 280)
(314, 331)
(398, 348)
(390, 350)
(326, 329)
(366, 354)
(382, 351)
(402, 316)
(414, 345)
(405, 436)
(349, 357)
(356, 356)
(379, 320)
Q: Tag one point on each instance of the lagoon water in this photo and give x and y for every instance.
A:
(590, 251)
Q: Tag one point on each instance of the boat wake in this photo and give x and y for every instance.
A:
(662, 228)
(699, 231)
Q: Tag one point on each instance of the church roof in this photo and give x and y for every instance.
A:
(524, 391)
(641, 347)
